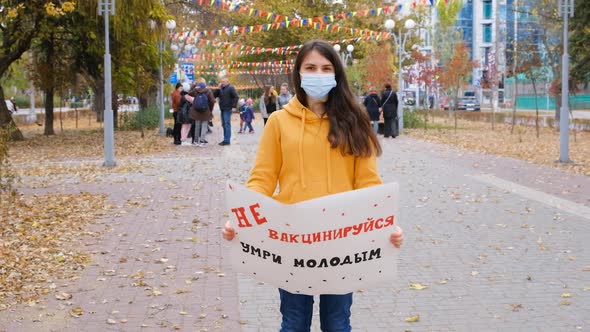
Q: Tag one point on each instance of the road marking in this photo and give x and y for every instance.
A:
(539, 196)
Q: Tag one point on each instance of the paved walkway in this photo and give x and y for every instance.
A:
(497, 241)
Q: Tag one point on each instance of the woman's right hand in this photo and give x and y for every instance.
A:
(228, 232)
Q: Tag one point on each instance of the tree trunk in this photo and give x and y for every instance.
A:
(99, 100)
(514, 104)
(48, 112)
(534, 82)
(6, 120)
(115, 111)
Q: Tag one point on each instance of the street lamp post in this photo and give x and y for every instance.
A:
(107, 8)
(566, 9)
(344, 56)
(400, 42)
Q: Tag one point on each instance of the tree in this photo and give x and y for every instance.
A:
(550, 34)
(134, 48)
(445, 34)
(19, 25)
(426, 73)
(456, 74)
(579, 40)
(52, 62)
(377, 66)
(532, 66)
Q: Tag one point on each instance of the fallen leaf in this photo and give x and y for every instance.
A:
(111, 321)
(77, 312)
(418, 286)
(412, 319)
(566, 295)
(63, 296)
(565, 303)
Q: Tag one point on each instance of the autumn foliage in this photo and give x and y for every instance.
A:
(455, 74)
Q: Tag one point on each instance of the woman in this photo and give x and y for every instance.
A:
(320, 143)
(389, 107)
(372, 103)
(201, 114)
(268, 102)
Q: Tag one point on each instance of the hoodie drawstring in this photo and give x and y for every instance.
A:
(302, 131)
(329, 166)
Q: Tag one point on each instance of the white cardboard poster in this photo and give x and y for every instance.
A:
(335, 244)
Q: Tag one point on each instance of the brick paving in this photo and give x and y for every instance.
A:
(492, 260)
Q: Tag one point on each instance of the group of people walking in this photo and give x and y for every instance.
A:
(387, 104)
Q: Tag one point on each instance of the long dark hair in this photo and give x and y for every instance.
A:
(350, 128)
(269, 97)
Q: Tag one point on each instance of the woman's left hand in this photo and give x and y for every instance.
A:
(397, 237)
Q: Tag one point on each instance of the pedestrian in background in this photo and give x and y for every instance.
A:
(372, 103)
(228, 103)
(249, 115)
(183, 116)
(284, 96)
(176, 97)
(268, 102)
(389, 105)
(242, 110)
(201, 111)
(334, 151)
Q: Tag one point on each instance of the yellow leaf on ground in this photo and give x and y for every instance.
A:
(564, 295)
(77, 312)
(418, 286)
(412, 319)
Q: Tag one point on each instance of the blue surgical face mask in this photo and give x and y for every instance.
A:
(317, 86)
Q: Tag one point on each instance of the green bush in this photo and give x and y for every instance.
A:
(413, 119)
(22, 101)
(78, 104)
(147, 118)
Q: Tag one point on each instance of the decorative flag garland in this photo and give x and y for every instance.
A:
(243, 64)
(321, 19)
(190, 36)
(250, 50)
(248, 72)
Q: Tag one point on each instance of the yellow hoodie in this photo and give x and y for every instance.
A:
(294, 152)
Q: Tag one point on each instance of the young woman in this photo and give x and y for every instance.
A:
(268, 102)
(320, 143)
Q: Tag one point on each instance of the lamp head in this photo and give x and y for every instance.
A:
(410, 24)
(389, 24)
(350, 48)
(170, 24)
(337, 48)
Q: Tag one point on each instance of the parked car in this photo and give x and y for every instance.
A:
(468, 104)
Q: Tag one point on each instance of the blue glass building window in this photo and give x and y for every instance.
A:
(487, 33)
(487, 9)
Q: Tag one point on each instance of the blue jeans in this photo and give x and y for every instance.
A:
(376, 126)
(226, 124)
(297, 311)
